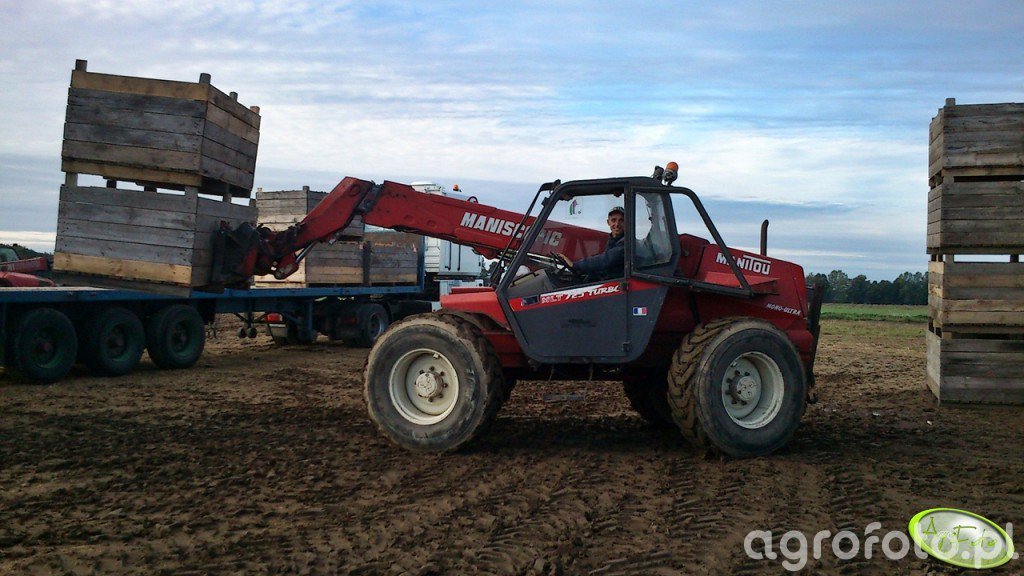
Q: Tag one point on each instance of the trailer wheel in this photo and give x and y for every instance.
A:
(111, 341)
(433, 383)
(372, 321)
(738, 387)
(647, 392)
(175, 336)
(44, 345)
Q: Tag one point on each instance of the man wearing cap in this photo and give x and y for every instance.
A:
(609, 263)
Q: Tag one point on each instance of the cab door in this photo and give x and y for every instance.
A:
(609, 320)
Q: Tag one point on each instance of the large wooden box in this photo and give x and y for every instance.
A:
(976, 218)
(326, 264)
(989, 370)
(975, 297)
(156, 241)
(977, 140)
(160, 133)
(379, 257)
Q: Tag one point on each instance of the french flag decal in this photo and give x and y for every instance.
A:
(639, 310)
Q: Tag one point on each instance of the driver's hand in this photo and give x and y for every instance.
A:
(565, 260)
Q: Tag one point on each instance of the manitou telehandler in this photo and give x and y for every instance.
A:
(719, 341)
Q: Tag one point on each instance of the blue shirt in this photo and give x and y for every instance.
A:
(608, 264)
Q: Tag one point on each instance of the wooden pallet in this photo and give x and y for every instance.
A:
(986, 369)
(146, 240)
(160, 133)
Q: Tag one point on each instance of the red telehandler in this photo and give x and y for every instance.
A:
(716, 341)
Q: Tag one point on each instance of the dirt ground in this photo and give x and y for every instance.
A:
(262, 460)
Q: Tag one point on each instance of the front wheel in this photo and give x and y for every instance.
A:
(738, 385)
(433, 383)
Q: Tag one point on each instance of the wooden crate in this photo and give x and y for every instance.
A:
(976, 140)
(976, 218)
(974, 297)
(145, 240)
(988, 370)
(160, 133)
(380, 257)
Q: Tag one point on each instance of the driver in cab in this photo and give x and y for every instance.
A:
(608, 264)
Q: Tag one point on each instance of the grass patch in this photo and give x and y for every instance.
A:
(890, 313)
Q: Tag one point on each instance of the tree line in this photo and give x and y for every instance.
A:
(907, 288)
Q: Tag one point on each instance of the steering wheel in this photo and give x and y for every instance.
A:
(563, 268)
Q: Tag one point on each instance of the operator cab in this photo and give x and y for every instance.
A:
(562, 314)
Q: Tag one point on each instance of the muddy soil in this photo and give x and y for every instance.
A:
(262, 460)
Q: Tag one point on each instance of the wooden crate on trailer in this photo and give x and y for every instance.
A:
(160, 133)
(984, 369)
(977, 140)
(394, 257)
(326, 264)
(147, 240)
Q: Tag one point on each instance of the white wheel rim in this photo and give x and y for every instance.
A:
(752, 390)
(423, 386)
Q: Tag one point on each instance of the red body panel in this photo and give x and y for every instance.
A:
(19, 280)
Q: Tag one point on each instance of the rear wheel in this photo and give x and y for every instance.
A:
(647, 392)
(43, 345)
(372, 320)
(433, 383)
(737, 386)
(175, 337)
(111, 342)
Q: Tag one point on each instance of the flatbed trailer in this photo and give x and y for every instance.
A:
(44, 331)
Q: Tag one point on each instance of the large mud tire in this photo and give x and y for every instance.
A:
(647, 392)
(770, 369)
(111, 341)
(175, 337)
(43, 345)
(433, 383)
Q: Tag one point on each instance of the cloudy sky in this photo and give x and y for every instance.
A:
(812, 114)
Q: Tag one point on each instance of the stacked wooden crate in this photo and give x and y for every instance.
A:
(975, 341)
(179, 140)
(367, 256)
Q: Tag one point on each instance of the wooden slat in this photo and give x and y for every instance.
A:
(168, 202)
(133, 137)
(92, 229)
(129, 156)
(221, 172)
(121, 250)
(233, 107)
(232, 158)
(233, 125)
(142, 86)
(97, 116)
(148, 218)
(162, 178)
(85, 101)
(121, 268)
(233, 141)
